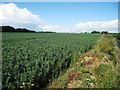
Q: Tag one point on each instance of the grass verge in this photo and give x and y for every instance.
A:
(97, 68)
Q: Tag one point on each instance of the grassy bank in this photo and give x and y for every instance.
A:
(97, 68)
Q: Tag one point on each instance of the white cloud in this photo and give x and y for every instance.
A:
(51, 27)
(54, 28)
(111, 26)
(10, 14)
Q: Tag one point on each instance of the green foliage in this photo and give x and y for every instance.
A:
(84, 70)
(118, 36)
(7, 29)
(12, 29)
(94, 32)
(108, 46)
(103, 68)
(37, 58)
(104, 32)
(87, 80)
(105, 76)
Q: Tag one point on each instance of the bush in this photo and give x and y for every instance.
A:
(94, 32)
(108, 46)
(118, 36)
(104, 32)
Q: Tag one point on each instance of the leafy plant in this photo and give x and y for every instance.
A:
(38, 58)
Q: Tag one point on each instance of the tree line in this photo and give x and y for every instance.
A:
(103, 32)
(12, 29)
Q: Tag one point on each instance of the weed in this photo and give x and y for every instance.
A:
(84, 70)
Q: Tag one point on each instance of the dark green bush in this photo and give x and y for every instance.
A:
(118, 36)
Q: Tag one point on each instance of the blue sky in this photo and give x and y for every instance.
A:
(61, 0)
(69, 14)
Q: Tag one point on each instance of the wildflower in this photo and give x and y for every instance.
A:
(80, 82)
(86, 57)
(105, 57)
(73, 83)
(90, 58)
(32, 84)
(88, 79)
(21, 86)
(23, 83)
(91, 84)
(69, 84)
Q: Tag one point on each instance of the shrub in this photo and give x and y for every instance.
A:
(118, 36)
(108, 46)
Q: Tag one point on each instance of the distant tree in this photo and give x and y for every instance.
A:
(95, 32)
(40, 32)
(11, 29)
(46, 32)
(49, 32)
(104, 32)
(7, 29)
(118, 36)
(23, 30)
(85, 32)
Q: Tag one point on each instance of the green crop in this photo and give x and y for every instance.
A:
(33, 59)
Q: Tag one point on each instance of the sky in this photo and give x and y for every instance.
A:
(72, 17)
(61, 0)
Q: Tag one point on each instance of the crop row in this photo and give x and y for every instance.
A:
(34, 59)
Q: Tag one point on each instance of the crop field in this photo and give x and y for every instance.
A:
(34, 59)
